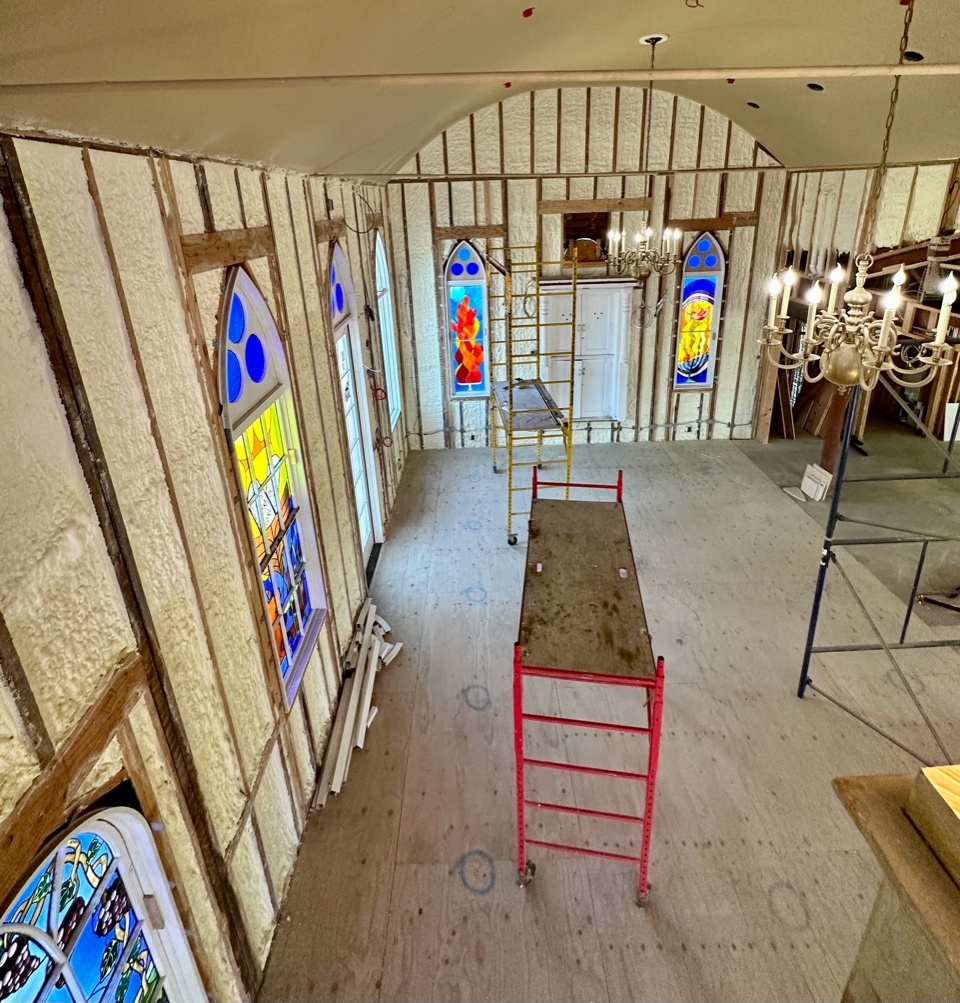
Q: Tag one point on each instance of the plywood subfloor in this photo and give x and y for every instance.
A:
(405, 890)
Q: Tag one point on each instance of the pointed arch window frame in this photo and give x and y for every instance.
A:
(109, 852)
(701, 286)
(386, 314)
(470, 296)
(246, 423)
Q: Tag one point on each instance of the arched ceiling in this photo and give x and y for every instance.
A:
(367, 128)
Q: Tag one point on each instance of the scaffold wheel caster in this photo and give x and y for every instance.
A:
(539, 466)
(525, 876)
(494, 468)
(643, 899)
(512, 539)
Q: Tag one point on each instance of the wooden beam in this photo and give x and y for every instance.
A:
(727, 221)
(203, 252)
(638, 204)
(469, 232)
(44, 297)
(11, 670)
(913, 254)
(46, 806)
(327, 230)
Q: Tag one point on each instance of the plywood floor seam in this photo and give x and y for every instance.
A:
(404, 889)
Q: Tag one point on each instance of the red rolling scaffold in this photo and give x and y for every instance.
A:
(582, 620)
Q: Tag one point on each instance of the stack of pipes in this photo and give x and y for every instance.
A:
(368, 653)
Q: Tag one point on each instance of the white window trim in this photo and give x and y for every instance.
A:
(388, 337)
(138, 864)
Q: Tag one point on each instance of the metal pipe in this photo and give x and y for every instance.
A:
(832, 521)
(869, 724)
(827, 649)
(520, 78)
(914, 590)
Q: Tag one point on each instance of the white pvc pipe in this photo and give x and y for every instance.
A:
(514, 77)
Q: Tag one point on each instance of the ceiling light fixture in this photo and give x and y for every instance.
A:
(850, 346)
(642, 260)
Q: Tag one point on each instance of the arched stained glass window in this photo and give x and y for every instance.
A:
(259, 415)
(96, 922)
(465, 281)
(388, 331)
(701, 300)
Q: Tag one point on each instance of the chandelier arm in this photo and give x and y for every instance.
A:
(912, 383)
(806, 371)
(773, 353)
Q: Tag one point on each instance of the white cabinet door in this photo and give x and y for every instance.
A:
(602, 320)
(598, 321)
(595, 387)
(556, 306)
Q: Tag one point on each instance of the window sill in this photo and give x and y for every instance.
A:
(291, 685)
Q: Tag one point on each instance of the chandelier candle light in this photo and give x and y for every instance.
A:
(642, 260)
(851, 346)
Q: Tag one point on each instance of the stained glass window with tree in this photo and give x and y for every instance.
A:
(80, 930)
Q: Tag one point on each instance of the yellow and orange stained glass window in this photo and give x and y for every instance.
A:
(265, 475)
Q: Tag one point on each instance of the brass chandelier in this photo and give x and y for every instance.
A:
(851, 346)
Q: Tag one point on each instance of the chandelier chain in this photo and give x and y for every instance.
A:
(646, 143)
(881, 172)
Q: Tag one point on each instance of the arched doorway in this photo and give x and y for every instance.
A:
(96, 922)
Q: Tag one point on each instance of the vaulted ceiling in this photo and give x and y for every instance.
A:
(370, 128)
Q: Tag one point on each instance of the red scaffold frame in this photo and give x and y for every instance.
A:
(651, 729)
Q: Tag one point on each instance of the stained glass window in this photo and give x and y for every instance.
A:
(263, 427)
(79, 931)
(388, 332)
(465, 281)
(701, 300)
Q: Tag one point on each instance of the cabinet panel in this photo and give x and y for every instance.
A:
(598, 321)
(596, 386)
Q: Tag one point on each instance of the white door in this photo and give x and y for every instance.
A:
(360, 466)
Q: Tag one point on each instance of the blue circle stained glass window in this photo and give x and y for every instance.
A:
(693, 261)
(463, 253)
(473, 268)
(703, 245)
(234, 378)
(238, 320)
(710, 261)
(338, 296)
(255, 358)
(456, 268)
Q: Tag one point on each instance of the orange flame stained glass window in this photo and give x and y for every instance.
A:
(466, 288)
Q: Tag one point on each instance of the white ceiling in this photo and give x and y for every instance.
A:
(364, 128)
